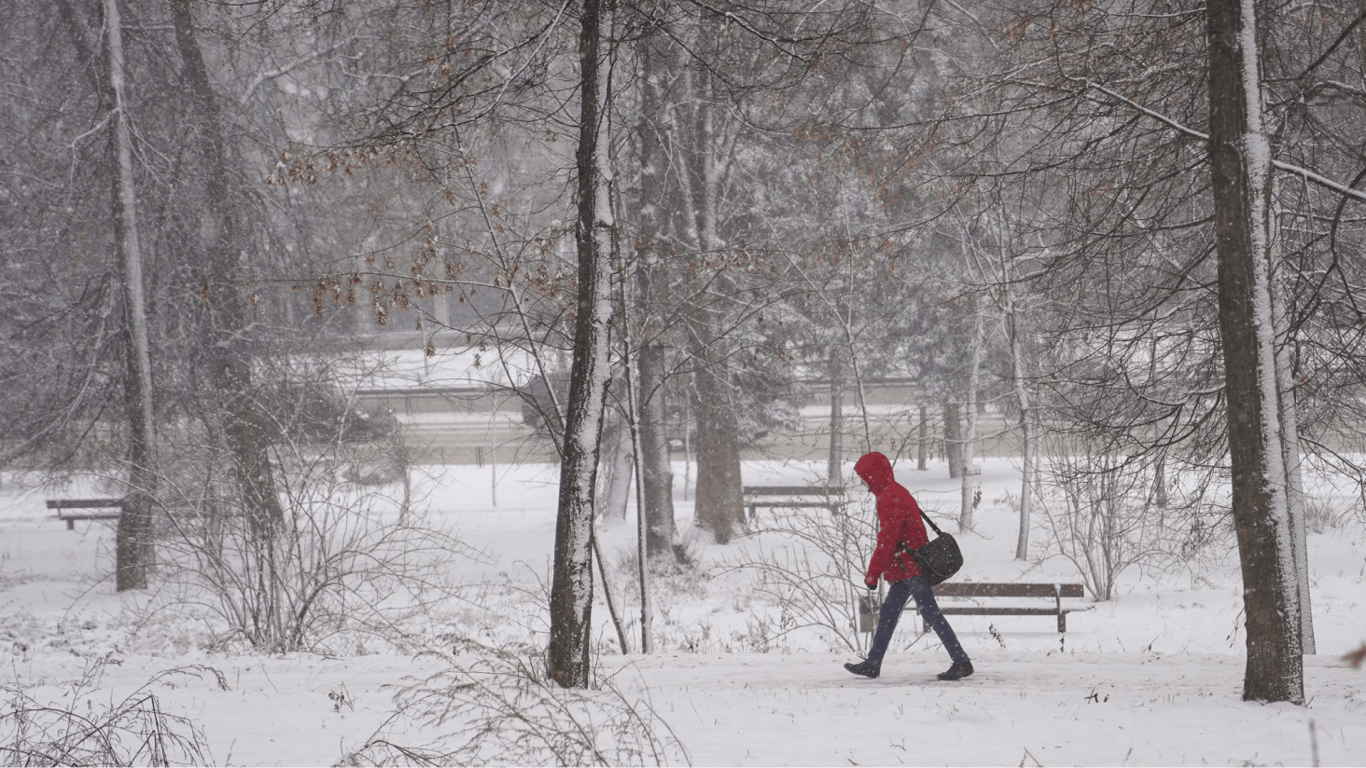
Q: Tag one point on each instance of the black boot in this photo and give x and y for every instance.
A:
(958, 671)
(865, 668)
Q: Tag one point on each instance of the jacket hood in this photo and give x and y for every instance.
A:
(876, 470)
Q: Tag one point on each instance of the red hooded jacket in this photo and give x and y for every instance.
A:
(898, 519)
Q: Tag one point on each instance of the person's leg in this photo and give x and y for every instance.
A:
(934, 618)
(887, 618)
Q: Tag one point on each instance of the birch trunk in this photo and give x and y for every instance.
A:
(1240, 165)
(571, 592)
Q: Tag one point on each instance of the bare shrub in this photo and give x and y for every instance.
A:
(1108, 512)
(494, 706)
(349, 562)
(134, 731)
(809, 563)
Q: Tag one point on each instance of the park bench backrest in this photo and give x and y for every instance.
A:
(980, 589)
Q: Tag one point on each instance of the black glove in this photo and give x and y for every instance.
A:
(872, 586)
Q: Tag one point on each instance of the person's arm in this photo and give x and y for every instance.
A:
(887, 536)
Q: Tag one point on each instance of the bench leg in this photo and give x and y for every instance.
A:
(71, 524)
(1062, 623)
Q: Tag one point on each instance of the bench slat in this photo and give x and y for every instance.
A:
(84, 503)
(1009, 610)
(969, 589)
(71, 517)
(792, 490)
(985, 589)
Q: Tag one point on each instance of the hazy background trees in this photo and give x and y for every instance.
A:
(1008, 207)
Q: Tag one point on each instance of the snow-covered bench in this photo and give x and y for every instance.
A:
(966, 598)
(792, 497)
(91, 509)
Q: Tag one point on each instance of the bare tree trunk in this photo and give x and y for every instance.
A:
(619, 469)
(1294, 488)
(835, 464)
(1026, 433)
(1240, 165)
(611, 601)
(652, 279)
(922, 457)
(969, 487)
(134, 545)
(953, 439)
(571, 592)
(642, 522)
(227, 352)
(720, 500)
(654, 453)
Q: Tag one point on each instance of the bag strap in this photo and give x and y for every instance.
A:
(937, 532)
(901, 545)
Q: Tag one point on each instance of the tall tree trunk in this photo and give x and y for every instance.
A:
(618, 469)
(1240, 166)
(953, 439)
(969, 486)
(652, 280)
(134, 546)
(720, 497)
(720, 501)
(1026, 429)
(654, 454)
(923, 447)
(571, 592)
(834, 468)
(1294, 487)
(228, 356)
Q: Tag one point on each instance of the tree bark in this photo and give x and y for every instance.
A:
(571, 593)
(134, 545)
(969, 486)
(720, 500)
(720, 497)
(223, 323)
(652, 280)
(1294, 488)
(1026, 428)
(923, 447)
(654, 454)
(834, 470)
(953, 439)
(1240, 166)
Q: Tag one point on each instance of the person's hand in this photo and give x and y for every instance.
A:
(870, 586)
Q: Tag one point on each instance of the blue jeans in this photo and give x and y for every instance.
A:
(900, 592)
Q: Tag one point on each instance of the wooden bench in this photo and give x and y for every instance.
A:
(97, 509)
(792, 497)
(976, 591)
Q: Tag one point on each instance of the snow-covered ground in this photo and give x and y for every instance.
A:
(1153, 677)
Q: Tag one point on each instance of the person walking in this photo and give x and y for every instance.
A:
(899, 523)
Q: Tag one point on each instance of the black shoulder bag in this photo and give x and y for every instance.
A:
(939, 559)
